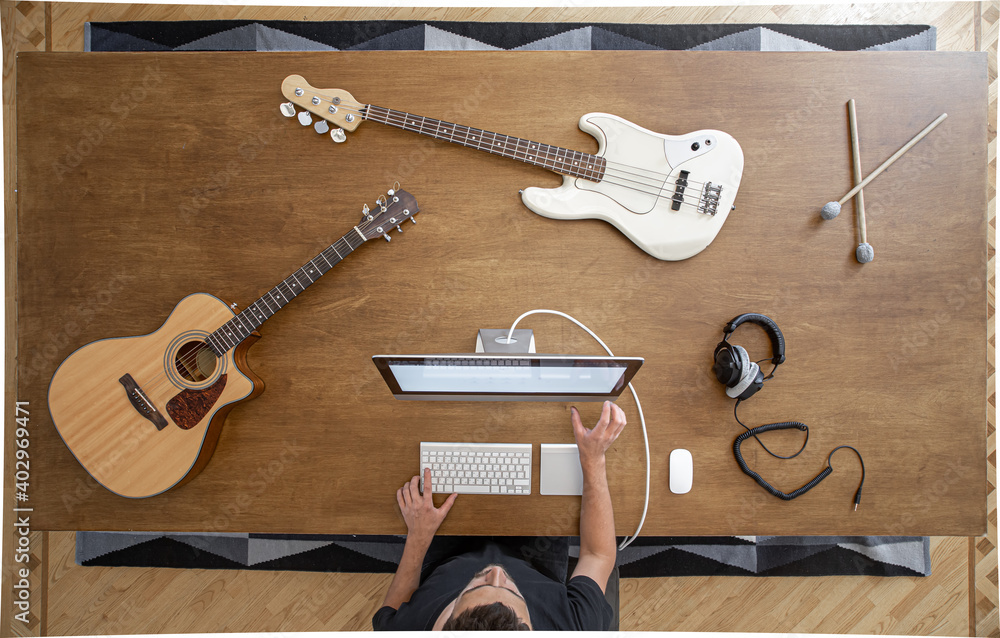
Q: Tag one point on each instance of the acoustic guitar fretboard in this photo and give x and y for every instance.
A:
(253, 316)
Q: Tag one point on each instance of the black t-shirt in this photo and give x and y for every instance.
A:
(579, 605)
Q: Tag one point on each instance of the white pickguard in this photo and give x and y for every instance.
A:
(640, 180)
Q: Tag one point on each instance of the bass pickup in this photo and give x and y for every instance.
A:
(681, 184)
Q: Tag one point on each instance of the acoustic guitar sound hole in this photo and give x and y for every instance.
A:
(195, 361)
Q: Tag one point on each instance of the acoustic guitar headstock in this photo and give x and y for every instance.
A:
(333, 106)
(390, 210)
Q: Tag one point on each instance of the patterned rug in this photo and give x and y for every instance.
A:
(406, 35)
(645, 558)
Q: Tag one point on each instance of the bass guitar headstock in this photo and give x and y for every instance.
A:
(390, 211)
(333, 106)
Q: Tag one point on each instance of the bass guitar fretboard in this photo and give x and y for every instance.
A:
(555, 158)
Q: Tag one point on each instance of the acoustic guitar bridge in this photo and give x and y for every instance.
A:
(141, 402)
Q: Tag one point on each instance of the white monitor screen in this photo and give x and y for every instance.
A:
(498, 377)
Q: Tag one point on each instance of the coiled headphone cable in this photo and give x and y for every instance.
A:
(788, 425)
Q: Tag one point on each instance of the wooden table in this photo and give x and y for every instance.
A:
(143, 178)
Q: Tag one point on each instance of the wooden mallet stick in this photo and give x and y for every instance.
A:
(864, 253)
(832, 209)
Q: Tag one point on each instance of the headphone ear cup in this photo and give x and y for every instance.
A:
(755, 385)
(727, 364)
(748, 372)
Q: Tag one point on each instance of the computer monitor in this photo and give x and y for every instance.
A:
(506, 377)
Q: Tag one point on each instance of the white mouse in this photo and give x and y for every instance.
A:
(681, 470)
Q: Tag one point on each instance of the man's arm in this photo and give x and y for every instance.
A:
(598, 549)
(422, 522)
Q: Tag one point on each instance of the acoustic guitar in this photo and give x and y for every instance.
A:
(143, 414)
(669, 194)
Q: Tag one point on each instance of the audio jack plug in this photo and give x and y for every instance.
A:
(861, 484)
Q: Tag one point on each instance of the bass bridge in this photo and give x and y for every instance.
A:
(141, 402)
(710, 199)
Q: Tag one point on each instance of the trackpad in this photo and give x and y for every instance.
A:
(560, 469)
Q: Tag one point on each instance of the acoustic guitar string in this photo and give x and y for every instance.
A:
(661, 178)
(190, 359)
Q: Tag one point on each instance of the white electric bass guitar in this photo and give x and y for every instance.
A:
(669, 194)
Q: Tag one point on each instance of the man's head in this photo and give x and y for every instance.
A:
(491, 600)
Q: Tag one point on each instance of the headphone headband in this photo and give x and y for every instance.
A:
(765, 322)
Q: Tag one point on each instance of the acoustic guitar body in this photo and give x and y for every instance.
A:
(143, 414)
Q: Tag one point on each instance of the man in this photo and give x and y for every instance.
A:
(489, 585)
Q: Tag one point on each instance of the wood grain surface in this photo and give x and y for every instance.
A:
(180, 175)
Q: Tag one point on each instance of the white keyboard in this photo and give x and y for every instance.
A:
(477, 468)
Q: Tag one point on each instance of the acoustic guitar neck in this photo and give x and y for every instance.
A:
(389, 213)
(253, 316)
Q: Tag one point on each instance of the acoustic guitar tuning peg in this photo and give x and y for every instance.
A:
(321, 127)
(304, 118)
(338, 135)
(399, 228)
(288, 109)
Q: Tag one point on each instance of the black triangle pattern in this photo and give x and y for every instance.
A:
(408, 35)
(647, 557)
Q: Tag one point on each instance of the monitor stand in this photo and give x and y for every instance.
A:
(495, 341)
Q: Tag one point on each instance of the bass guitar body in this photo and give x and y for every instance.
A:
(669, 194)
(143, 414)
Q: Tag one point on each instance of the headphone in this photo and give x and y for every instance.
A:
(733, 367)
(743, 379)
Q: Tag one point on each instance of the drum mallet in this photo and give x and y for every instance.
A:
(864, 253)
(832, 209)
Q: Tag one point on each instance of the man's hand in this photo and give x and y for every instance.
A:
(594, 443)
(422, 518)
(597, 518)
(422, 522)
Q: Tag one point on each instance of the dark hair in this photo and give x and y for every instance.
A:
(492, 617)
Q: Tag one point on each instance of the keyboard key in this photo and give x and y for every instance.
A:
(475, 489)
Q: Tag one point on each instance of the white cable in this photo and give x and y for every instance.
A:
(625, 543)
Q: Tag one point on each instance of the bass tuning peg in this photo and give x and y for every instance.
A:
(304, 118)
(338, 135)
(287, 109)
(322, 127)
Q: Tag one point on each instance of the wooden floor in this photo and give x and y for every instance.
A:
(959, 599)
